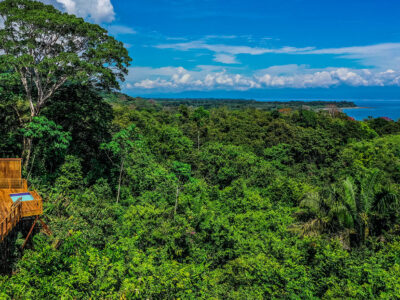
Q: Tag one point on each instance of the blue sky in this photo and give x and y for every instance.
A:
(254, 49)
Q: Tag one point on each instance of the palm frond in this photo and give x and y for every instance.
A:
(312, 202)
(350, 195)
(368, 188)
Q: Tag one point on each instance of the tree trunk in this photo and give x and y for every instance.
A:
(120, 179)
(27, 79)
(27, 142)
(198, 140)
(27, 151)
(30, 171)
(176, 199)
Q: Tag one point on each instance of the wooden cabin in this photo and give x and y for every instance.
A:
(16, 201)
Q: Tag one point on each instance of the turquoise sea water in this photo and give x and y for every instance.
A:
(375, 108)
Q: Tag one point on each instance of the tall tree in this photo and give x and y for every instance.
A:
(200, 116)
(122, 143)
(182, 173)
(46, 48)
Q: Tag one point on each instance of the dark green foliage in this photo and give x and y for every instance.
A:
(383, 126)
(82, 112)
(50, 143)
(70, 174)
(12, 113)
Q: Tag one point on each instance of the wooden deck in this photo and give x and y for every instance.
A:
(12, 212)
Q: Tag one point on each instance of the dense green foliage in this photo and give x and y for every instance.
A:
(149, 200)
(220, 203)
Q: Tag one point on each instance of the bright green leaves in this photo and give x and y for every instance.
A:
(181, 170)
(123, 141)
(169, 142)
(47, 131)
(200, 116)
(50, 140)
(381, 153)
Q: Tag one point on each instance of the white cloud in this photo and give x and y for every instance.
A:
(325, 78)
(206, 78)
(69, 5)
(99, 11)
(383, 56)
(152, 84)
(228, 37)
(120, 30)
(366, 50)
(225, 58)
(231, 50)
(176, 39)
(178, 78)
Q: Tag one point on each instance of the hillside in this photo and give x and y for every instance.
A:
(119, 98)
(227, 203)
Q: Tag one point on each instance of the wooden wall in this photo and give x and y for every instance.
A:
(10, 168)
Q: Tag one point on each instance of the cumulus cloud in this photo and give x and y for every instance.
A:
(100, 11)
(325, 78)
(179, 78)
(288, 76)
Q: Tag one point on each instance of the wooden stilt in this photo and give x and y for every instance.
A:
(45, 227)
(30, 232)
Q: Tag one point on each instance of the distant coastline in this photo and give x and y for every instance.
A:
(374, 109)
(208, 103)
(357, 107)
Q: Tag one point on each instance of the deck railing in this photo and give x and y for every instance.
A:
(20, 209)
(11, 219)
(10, 183)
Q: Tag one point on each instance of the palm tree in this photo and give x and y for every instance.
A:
(386, 208)
(312, 210)
(328, 213)
(343, 211)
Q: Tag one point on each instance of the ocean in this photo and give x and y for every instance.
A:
(375, 108)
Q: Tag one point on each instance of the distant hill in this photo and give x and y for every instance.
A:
(207, 103)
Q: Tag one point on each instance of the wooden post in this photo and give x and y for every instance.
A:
(45, 227)
(30, 232)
